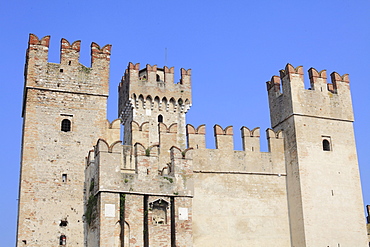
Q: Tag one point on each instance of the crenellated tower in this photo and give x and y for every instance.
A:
(64, 113)
(323, 183)
(150, 96)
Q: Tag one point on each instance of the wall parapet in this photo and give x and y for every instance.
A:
(154, 88)
(288, 96)
(69, 75)
(225, 159)
(197, 135)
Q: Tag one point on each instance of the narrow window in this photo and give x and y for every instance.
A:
(325, 145)
(24, 241)
(64, 178)
(61, 70)
(158, 78)
(63, 240)
(160, 119)
(69, 63)
(66, 125)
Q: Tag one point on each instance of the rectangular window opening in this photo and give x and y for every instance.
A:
(64, 178)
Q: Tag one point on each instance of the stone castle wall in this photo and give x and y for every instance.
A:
(162, 186)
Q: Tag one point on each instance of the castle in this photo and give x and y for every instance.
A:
(81, 186)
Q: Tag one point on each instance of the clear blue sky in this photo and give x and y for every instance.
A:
(232, 47)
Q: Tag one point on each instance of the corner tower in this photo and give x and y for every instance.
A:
(323, 183)
(148, 97)
(64, 113)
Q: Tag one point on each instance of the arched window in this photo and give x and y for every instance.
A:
(66, 125)
(158, 78)
(325, 145)
(63, 240)
(160, 119)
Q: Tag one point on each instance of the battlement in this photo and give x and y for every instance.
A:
(154, 88)
(67, 50)
(98, 53)
(224, 138)
(69, 53)
(136, 169)
(288, 96)
(69, 75)
(34, 40)
(113, 130)
(317, 79)
(250, 160)
(155, 75)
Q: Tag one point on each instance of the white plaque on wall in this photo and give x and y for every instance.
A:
(183, 214)
(110, 210)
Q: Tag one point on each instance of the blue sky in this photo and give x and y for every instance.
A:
(232, 47)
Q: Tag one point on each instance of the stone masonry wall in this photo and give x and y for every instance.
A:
(152, 204)
(239, 196)
(52, 169)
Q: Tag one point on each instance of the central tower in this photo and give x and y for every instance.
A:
(149, 96)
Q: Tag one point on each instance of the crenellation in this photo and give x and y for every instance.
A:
(167, 138)
(274, 84)
(290, 71)
(169, 75)
(275, 143)
(150, 74)
(251, 139)
(113, 130)
(101, 146)
(69, 75)
(170, 129)
(322, 99)
(36, 58)
(340, 83)
(224, 137)
(34, 40)
(69, 54)
(98, 53)
(185, 77)
(196, 137)
(140, 133)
